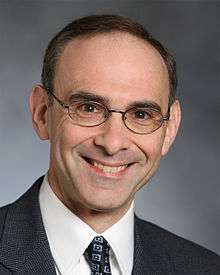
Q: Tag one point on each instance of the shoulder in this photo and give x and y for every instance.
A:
(181, 254)
(18, 209)
(21, 227)
(14, 215)
(169, 239)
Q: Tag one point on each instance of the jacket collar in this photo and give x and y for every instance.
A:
(23, 242)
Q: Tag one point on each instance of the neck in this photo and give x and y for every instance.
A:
(100, 221)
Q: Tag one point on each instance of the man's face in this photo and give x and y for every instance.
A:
(101, 168)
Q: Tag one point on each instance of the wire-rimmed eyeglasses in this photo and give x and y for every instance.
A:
(88, 113)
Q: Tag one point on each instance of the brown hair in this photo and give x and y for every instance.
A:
(98, 24)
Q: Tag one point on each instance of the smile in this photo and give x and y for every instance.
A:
(106, 168)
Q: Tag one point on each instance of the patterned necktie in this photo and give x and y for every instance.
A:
(97, 256)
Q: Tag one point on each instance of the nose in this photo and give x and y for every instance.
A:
(114, 136)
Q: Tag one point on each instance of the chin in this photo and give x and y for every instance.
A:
(109, 204)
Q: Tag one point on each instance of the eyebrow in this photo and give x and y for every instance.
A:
(91, 96)
(145, 104)
(88, 96)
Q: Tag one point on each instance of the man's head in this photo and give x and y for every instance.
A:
(101, 168)
(102, 24)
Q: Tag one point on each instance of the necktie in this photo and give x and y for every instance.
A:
(97, 256)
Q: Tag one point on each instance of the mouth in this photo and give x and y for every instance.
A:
(106, 169)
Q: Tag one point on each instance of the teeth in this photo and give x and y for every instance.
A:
(109, 169)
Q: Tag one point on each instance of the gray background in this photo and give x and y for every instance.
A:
(184, 196)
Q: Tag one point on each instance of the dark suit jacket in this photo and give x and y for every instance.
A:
(24, 248)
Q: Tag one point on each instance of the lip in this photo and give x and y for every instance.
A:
(100, 172)
(116, 164)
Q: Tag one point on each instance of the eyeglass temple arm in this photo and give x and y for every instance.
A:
(167, 116)
(57, 99)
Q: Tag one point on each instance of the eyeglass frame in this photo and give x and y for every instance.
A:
(109, 111)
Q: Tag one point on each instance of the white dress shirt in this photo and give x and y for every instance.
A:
(69, 237)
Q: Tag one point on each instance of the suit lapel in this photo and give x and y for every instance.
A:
(148, 254)
(24, 247)
(139, 263)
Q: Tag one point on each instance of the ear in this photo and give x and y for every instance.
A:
(172, 126)
(38, 103)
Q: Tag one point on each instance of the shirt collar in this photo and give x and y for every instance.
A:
(120, 236)
(68, 231)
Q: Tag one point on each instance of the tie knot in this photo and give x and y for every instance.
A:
(97, 256)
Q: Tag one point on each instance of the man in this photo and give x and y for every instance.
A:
(107, 105)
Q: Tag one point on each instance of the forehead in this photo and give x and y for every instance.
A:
(116, 65)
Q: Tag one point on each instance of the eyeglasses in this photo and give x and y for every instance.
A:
(89, 113)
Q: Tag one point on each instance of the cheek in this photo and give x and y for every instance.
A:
(63, 151)
(152, 146)
(66, 135)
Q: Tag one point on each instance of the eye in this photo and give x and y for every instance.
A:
(88, 108)
(141, 114)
